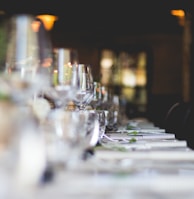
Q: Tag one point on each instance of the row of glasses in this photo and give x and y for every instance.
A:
(106, 105)
(71, 82)
(69, 133)
(73, 131)
(27, 73)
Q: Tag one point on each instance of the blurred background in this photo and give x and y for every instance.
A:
(139, 48)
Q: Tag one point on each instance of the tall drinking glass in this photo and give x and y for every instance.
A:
(97, 95)
(65, 74)
(26, 57)
(84, 87)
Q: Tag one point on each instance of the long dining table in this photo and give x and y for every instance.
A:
(137, 160)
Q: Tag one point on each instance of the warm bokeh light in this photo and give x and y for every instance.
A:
(128, 77)
(106, 63)
(48, 20)
(141, 77)
(107, 59)
(180, 14)
(2, 12)
(36, 26)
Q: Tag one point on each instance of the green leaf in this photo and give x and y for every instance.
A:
(130, 127)
(132, 140)
(4, 96)
(132, 133)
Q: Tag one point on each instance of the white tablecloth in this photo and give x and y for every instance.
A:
(152, 168)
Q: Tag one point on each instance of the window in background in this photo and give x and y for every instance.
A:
(106, 65)
(126, 73)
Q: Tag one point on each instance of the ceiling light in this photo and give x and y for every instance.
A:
(48, 20)
(180, 14)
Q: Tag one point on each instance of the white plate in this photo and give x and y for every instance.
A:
(146, 136)
(147, 155)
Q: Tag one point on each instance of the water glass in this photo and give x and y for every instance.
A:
(102, 122)
(65, 135)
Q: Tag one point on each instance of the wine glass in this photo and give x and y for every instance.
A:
(102, 122)
(64, 82)
(97, 95)
(83, 95)
(68, 134)
(26, 57)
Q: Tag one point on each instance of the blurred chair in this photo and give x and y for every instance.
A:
(180, 121)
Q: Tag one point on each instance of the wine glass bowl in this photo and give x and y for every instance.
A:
(84, 93)
(97, 95)
(65, 74)
(68, 134)
(26, 59)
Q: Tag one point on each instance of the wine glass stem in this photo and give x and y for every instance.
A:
(81, 107)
